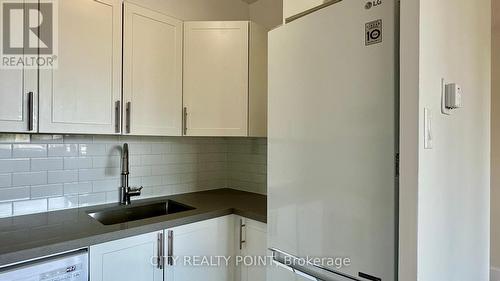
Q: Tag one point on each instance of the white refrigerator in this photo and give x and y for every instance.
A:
(332, 144)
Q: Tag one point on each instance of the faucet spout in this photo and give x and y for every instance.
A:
(125, 159)
(126, 192)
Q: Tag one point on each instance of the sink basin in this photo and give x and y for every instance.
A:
(132, 213)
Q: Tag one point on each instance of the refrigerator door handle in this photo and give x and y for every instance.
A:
(310, 271)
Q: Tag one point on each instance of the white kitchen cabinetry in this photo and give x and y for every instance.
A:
(18, 100)
(83, 94)
(152, 84)
(210, 238)
(225, 79)
(252, 242)
(129, 259)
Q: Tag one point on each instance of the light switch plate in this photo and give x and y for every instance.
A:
(428, 136)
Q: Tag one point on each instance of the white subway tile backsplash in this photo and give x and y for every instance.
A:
(65, 202)
(5, 210)
(5, 151)
(14, 165)
(78, 139)
(140, 171)
(107, 185)
(106, 161)
(29, 150)
(139, 148)
(5, 180)
(114, 149)
(98, 174)
(148, 160)
(14, 193)
(77, 188)
(112, 197)
(14, 138)
(71, 163)
(31, 178)
(53, 172)
(161, 148)
(91, 199)
(62, 176)
(135, 181)
(152, 181)
(92, 149)
(63, 150)
(50, 190)
(30, 207)
(47, 139)
(171, 179)
(46, 164)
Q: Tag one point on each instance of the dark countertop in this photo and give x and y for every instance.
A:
(33, 236)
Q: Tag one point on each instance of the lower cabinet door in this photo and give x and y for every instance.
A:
(198, 251)
(129, 259)
(253, 246)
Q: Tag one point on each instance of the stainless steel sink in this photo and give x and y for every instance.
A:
(132, 213)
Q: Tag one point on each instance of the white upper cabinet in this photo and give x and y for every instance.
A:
(216, 77)
(152, 73)
(18, 98)
(128, 259)
(83, 93)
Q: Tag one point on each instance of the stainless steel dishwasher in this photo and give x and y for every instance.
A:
(71, 266)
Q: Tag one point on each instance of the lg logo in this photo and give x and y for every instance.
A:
(373, 3)
(27, 28)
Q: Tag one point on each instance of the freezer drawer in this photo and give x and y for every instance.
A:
(66, 267)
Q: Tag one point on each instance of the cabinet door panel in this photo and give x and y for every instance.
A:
(210, 238)
(255, 237)
(153, 72)
(79, 95)
(15, 84)
(216, 78)
(129, 259)
(12, 101)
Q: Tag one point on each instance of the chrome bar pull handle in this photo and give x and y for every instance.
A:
(184, 119)
(31, 111)
(170, 255)
(117, 116)
(127, 116)
(308, 270)
(159, 259)
(242, 241)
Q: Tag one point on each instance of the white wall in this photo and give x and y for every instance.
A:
(268, 13)
(495, 147)
(199, 9)
(453, 177)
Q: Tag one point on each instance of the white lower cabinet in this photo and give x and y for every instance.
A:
(252, 245)
(191, 245)
(192, 252)
(129, 259)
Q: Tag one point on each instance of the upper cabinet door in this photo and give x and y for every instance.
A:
(216, 78)
(83, 93)
(152, 73)
(18, 91)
